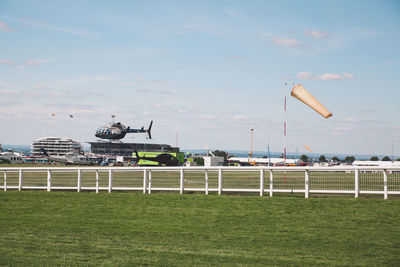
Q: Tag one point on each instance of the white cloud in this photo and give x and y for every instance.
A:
(43, 25)
(34, 62)
(316, 34)
(240, 117)
(202, 24)
(204, 117)
(240, 17)
(39, 24)
(9, 93)
(325, 76)
(288, 42)
(348, 75)
(342, 128)
(352, 119)
(8, 85)
(143, 91)
(4, 27)
(164, 92)
(6, 61)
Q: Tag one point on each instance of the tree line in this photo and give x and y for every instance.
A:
(347, 159)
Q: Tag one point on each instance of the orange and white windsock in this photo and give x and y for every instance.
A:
(308, 148)
(304, 96)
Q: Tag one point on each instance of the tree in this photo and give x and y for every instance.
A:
(322, 158)
(335, 159)
(386, 158)
(349, 159)
(374, 158)
(303, 158)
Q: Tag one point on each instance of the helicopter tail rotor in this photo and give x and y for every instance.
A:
(148, 131)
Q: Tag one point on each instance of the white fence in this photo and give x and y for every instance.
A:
(260, 180)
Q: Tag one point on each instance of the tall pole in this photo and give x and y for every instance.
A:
(284, 126)
(251, 145)
(284, 131)
(269, 155)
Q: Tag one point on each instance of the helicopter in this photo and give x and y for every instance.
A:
(116, 131)
(164, 159)
(71, 157)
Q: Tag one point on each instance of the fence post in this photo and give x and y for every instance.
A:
(48, 180)
(149, 189)
(5, 180)
(182, 181)
(307, 184)
(110, 177)
(20, 180)
(261, 182)
(385, 185)
(206, 177)
(79, 180)
(356, 183)
(219, 181)
(271, 183)
(144, 181)
(97, 181)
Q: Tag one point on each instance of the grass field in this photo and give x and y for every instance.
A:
(69, 228)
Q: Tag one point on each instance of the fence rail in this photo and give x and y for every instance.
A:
(260, 180)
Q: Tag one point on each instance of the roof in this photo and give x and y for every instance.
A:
(387, 164)
(264, 160)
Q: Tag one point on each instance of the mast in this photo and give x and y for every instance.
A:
(284, 126)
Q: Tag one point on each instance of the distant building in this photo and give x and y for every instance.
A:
(127, 149)
(213, 161)
(55, 146)
(264, 161)
(381, 164)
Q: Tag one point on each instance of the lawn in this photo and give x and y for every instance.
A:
(69, 228)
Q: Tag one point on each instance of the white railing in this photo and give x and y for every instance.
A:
(260, 180)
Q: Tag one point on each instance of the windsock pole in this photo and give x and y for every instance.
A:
(284, 130)
(284, 126)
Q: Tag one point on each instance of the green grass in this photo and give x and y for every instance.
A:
(69, 228)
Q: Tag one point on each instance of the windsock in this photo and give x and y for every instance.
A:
(309, 149)
(304, 96)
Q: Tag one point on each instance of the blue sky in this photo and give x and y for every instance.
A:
(209, 70)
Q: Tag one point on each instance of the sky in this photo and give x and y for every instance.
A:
(205, 71)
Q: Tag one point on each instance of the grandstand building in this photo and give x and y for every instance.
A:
(55, 146)
(127, 149)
